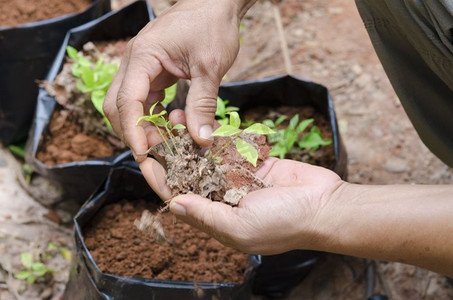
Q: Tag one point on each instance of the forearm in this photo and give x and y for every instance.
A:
(407, 223)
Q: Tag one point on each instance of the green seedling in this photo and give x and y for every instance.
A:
(284, 140)
(159, 121)
(95, 78)
(222, 111)
(33, 269)
(233, 131)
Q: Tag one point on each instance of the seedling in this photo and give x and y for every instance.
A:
(159, 121)
(33, 269)
(232, 130)
(95, 78)
(222, 111)
(284, 140)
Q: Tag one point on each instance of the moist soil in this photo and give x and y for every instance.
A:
(119, 247)
(76, 130)
(323, 156)
(16, 12)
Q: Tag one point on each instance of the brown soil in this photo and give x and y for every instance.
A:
(323, 156)
(66, 143)
(221, 174)
(118, 247)
(77, 131)
(16, 12)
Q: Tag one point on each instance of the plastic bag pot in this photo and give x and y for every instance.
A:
(80, 179)
(277, 274)
(86, 281)
(26, 54)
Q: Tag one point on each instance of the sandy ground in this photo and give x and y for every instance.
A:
(327, 44)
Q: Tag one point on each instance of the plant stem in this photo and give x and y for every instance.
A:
(164, 138)
(227, 143)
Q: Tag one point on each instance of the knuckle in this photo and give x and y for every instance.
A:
(205, 105)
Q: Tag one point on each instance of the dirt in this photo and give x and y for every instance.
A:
(119, 247)
(16, 12)
(220, 174)
(77, 131)
(328, 44)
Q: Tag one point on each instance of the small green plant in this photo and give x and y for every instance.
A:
(233, 131)
(33, 269)
(159, 121)
(95, 78)
(284, 140)
(222, 110)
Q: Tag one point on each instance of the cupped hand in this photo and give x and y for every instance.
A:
(192, 40)
(268, 221)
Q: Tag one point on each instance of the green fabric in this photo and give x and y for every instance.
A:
(414, 42)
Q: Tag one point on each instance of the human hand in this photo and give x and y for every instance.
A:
(268, 221)
(195, 40)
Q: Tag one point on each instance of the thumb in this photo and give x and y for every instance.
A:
(213, 217)
(200, 109)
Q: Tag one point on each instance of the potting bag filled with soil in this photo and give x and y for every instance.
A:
(303, 118)
(26, 54)
(126, 248)
(71, 141)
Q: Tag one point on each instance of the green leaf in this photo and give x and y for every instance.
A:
(31, 279)
(269, 123)
(179, 126)
(146, 118)
(303, 125)
(151, 109)
(40, 272)
(52, 246)
(313, 141)
(22, 275)
(97, 97)
(26, 259)
(259, 128)
(235, 120)
(88, 77)
(220, 110)
(223, 121)
(226, 130)
(293, 122)
(38, 266)
(231, 108)
(72, 52)
(247, 151)
(65, 253)
(170, 94)
(278, 151)
(280, 120)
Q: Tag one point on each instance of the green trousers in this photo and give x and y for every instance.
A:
(414, 42)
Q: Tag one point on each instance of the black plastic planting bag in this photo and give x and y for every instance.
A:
(87, 282)
(80, 179)
(26, 53)
(277, 274)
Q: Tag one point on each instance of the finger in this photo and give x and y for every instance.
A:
(109, 107)
(200, 109)
(132, 95)
(177, 116)
(215, 218)
(156, 177)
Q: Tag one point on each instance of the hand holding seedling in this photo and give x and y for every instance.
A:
(193, 40)
(311, 208)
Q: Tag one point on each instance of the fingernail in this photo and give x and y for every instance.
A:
(205, 132)
(177, 209)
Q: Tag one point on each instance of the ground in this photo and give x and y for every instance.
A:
(327, 44)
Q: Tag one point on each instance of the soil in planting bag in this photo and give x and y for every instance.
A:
(277, 274)
(80, 179)
(87, 281)
(26, 54)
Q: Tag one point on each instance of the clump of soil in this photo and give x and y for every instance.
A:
(187, 254)
(323, 156)
(16, 12)
(77, 131)
(221, 174)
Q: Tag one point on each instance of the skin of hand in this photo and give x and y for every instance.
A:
(194, 39)
(311, 208)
